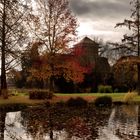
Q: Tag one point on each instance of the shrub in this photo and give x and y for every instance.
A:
(120, 89)
(40, 94)
(105, 89)
(116, 90)
(76, 102)
(103, 101)
(129, 97)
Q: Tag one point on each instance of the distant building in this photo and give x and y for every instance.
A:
(91, 55)
(86, 52)
(90, 46)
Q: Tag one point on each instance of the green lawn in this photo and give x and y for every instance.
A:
(115, 96)
(24, 98)
(20, 99)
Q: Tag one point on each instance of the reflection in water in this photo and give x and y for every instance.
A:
(2, 124)
(120, 123)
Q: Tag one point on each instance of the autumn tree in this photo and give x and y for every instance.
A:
(125, 73)
(29, 59)
(54, 25)
(70, 70)
(12, 16)
(132, 39)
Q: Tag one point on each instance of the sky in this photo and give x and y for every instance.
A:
(97, 18)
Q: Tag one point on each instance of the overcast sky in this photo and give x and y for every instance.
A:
(99, 17)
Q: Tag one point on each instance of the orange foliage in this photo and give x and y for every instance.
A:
(70, 69)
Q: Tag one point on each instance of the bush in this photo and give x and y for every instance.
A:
(105, 89)
(120, 89)
(116, 90)
(76, 102)
(40, 94)
(129, 97)
(103, 101)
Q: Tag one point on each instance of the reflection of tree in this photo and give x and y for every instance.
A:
(56, 121)
(138, 121)
(123, 121)
(76, 126)
(71, 123)
(35, 122)
(2, 124)
(98, 119)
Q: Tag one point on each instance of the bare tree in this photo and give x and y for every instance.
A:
(12, 31)
(55, 26)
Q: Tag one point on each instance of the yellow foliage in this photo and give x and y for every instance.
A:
(129, 97)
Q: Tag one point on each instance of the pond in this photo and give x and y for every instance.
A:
(63, 123)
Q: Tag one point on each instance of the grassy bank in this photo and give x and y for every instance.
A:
(92, 96)
(20, 100)
(24, 98)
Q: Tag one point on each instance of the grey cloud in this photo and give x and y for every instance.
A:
(100, 8)
(103, 15)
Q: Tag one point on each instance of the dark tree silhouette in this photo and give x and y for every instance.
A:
(132, 40)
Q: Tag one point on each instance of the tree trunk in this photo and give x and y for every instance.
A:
(51, 84)
(4, 91)
(138, 40)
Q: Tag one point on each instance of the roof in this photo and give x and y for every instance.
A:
(88, 41)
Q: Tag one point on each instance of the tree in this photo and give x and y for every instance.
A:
(125, 74)
(29, 58)
(132, 40)
(54, 25)
(12, 16)
(70, 69)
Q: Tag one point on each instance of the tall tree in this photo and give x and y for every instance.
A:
(55, 26)
(132, 40)
(12, 14)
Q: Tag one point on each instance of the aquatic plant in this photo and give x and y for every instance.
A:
(129, 97)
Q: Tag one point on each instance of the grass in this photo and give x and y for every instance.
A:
(115, 96)
(21, 100)
(24, 98)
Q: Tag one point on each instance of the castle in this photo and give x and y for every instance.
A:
(87, 53)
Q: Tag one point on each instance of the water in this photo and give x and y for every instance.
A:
(117, 123)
